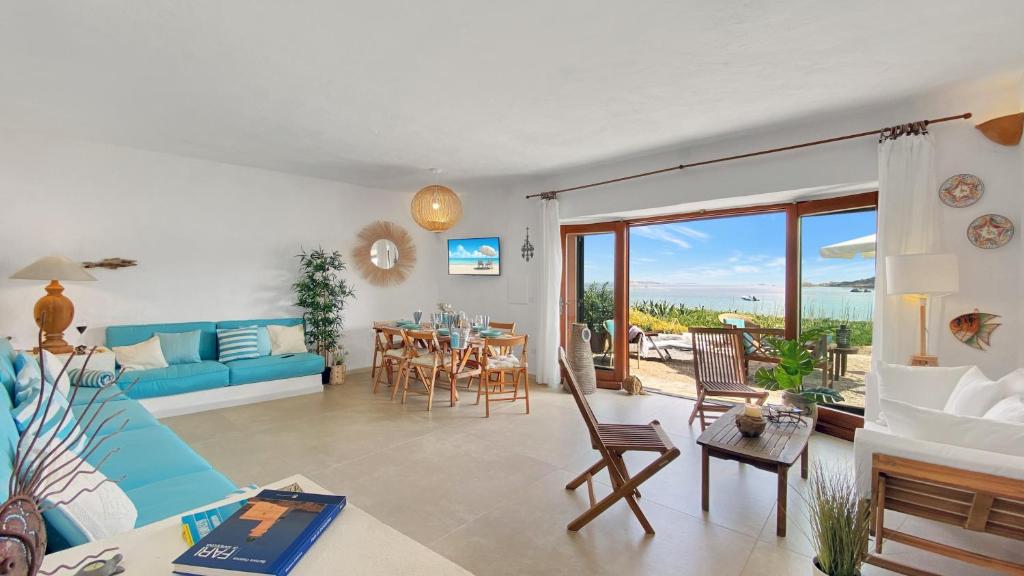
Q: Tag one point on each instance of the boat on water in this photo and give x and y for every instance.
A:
(861, 290)
(750, 298)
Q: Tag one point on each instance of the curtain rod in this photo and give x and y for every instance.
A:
(553, 193)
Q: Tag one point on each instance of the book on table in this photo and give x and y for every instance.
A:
(268, 535)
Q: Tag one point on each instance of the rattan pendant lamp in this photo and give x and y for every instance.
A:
(435, 207)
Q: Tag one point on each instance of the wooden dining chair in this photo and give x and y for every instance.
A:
(612, 441)
(497, 368)
(392, 359)
(719, 371)
(381, 344)
(509, 327)
(425, 362)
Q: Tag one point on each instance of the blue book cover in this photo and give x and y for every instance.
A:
(268, 535)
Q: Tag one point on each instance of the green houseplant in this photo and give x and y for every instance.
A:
(795, 362)
(598, 306)
(840, 523)
(322, 293)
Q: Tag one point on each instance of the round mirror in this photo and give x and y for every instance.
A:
(384, 254)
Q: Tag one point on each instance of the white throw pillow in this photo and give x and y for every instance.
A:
(145, 355)
(101, 513)
(974, 395)
(925, 386)
(935, 426)
(287, 339)
(1013, 383)
(1007, 410)
(53, 366)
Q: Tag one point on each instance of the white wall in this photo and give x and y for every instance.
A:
(991, 280)
(213, 241)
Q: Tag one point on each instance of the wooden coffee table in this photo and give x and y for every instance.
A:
(775, 451)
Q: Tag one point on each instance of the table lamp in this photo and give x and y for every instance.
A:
(922, 276)
(54, 312)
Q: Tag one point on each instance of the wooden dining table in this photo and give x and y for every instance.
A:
(458, 358)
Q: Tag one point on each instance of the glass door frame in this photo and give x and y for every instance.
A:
(613, 378)
(832, 421)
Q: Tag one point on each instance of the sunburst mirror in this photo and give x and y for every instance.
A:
(384, 253)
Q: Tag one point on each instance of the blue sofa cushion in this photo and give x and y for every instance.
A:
(175, 379)
(181, 347)
(81, 395)
(174, 496)
(128, 335)
(147, 455)
(275, 367)
(138, 417)
(7, 373)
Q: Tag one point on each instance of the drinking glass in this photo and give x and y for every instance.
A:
(417, 315)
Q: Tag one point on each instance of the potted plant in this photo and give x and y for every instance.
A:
(795, 362)
(840, 522)
(323, 294)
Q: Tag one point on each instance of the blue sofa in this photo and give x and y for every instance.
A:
(209, 373)
(163, 476)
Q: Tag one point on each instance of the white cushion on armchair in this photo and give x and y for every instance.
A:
(925, 386)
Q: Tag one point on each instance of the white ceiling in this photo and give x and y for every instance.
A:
(377, 92)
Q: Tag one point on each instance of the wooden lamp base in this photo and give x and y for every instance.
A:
(922, 360)
(54, 313)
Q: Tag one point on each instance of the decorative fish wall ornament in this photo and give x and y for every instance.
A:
(974, 328)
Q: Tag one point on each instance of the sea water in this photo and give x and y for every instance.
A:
(816, 301)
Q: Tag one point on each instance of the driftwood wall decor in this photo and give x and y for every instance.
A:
(384, 253)
(110, 263)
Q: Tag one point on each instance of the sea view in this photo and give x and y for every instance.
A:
(817, 301)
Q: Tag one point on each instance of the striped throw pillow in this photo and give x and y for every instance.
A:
(238, 344)
(90, 378)
(50, 419)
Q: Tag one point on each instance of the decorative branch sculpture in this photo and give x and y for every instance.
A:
(40, 475)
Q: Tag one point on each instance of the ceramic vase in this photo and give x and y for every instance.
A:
(582, 359)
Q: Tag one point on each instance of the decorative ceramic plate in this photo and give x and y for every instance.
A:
(961, 191)
(990, 231)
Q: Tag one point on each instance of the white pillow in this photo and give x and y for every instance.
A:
(925, 386)
(1013, 383)
(934, 426)
(287, 339)
(104, 512)
(145, 355)
(1007, 410)
(974, 395)
(53, 366)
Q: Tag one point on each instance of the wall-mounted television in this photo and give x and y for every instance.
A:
(474, 256)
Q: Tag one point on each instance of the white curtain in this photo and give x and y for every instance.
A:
(907, 224)
(550, 294)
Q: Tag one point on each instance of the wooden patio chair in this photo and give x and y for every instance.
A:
(612, 441)
(719, 371)
(392, 359)
(496, 367)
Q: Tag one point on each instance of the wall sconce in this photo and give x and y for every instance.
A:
(527, 249)
(1005, 130)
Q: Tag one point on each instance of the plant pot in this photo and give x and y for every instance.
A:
(325, 376)
(843, 336)
(816, 571)
(597, 340)
(581, 361)
(810, 409)
(337, 377)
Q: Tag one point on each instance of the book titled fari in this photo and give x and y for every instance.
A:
(268, 535)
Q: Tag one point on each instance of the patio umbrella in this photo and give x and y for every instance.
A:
(865, 246)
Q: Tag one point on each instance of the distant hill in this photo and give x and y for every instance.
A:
(863, 283)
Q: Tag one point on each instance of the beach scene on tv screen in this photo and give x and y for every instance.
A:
(474, 256)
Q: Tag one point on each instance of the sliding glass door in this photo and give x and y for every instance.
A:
(594, 293)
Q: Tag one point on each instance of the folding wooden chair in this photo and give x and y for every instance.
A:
(391, 358)
(426, 363)
(612, 441)
(719, 371)
(500, 362)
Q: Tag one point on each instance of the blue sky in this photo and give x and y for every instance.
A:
(473, 248)
(740, 250)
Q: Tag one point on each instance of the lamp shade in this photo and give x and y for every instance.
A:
(54, 268)
(922, 274)
(436, 208)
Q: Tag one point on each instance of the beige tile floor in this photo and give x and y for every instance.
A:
(490, 493)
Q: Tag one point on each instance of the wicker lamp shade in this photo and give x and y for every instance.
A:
(436, 208)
